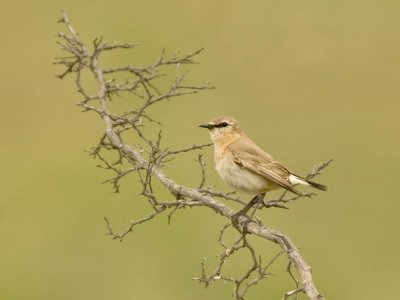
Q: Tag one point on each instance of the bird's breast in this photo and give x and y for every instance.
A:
(240, 178)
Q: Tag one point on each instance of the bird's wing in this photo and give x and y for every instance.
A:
(268, 168)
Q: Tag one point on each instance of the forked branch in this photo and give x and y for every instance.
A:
(146, 157)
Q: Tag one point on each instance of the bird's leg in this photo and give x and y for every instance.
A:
(256, 200)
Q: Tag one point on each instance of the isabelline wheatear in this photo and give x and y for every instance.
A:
(245, 166)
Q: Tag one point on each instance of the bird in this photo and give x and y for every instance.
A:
(246, 167)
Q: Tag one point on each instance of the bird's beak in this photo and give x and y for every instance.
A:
(208, 126)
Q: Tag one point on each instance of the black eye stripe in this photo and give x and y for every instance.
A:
(220, 125)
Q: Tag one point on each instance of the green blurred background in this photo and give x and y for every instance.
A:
(309, 80)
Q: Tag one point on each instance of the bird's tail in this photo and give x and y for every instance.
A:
(317, 185)
(294, 179)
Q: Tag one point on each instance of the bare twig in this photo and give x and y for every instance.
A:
(318, 169)
(282, 200)
(146, 157)
(203, 172)
(133, 223)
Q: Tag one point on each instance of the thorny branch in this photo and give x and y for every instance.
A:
(146, 157)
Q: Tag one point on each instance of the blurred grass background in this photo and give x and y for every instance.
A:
(308, 80)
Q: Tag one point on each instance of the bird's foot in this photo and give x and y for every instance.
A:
(240, 218)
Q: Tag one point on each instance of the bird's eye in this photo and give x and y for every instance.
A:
(220, 125)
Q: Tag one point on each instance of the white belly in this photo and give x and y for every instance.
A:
(241, 179)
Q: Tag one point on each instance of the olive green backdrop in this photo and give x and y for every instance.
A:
(309, 80)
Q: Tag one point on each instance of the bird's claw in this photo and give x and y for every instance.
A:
(237, 223)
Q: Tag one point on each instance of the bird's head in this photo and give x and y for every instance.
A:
(223, 129)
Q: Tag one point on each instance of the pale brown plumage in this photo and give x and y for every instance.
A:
(244, 165)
